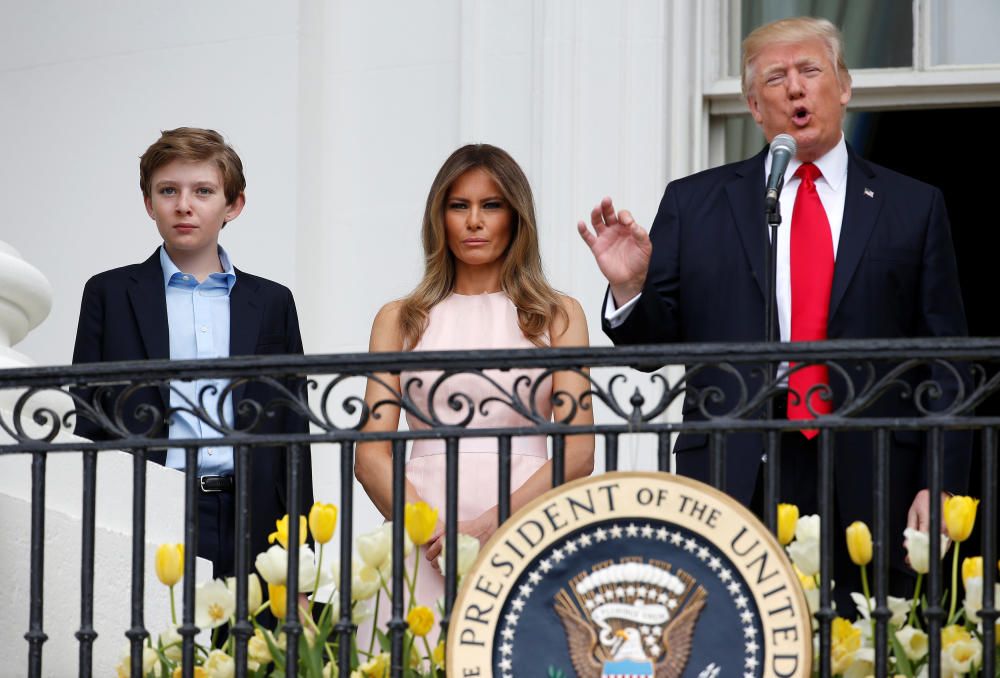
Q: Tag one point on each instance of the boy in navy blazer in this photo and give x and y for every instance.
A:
(188, 301)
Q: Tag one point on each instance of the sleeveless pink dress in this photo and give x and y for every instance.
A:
(482, 321)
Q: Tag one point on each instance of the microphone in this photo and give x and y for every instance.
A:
(782, 151)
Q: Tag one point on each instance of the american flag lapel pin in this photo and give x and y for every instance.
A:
(870, 193)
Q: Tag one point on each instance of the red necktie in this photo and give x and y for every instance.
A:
(812, 276)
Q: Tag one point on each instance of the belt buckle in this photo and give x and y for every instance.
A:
(201, 481)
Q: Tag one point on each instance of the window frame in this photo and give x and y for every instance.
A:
(925, 85)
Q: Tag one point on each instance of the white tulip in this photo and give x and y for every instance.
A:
(807, 528)
(974, 597)
(220, 665)
(863, 664)
(407, 542)
(914, 642)
(805, 555)
(273, 567)
(958, 658)
(214, 604)
(168, 638)
(150, 661)
(374, 547)
(900, 607)
(365, 581)
(918, 547)
(255, 596)
(468, 551)
(362, 611)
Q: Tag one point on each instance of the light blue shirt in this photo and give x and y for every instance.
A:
(198, 322)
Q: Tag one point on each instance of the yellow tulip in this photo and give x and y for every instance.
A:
(960, 516)
(859, 543)
(258, 649)
(788, 516)
(199, 672)
(279, 599)
(972, 567)
(954, 634)
(438, 655)
(377, 667)
(322, 521)
(808, 583)
(170, 563)
(420, 522)
(281, 531)
(845, 640)
(421, 620)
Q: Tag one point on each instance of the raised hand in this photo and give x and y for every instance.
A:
(621, 248)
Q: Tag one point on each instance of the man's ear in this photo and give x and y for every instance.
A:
(148, 201)
(234, 208)
(845, 92)
(754, 108)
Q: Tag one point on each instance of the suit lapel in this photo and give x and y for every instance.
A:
(148, 299)
(861, 208)
(746, 199)
(244, 323)
(149, 304)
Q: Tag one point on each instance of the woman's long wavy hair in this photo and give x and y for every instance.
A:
(521, 277)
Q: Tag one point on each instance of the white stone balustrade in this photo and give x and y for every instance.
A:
(25, 301)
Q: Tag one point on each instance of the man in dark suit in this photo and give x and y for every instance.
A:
(187, 301)
(863, 252)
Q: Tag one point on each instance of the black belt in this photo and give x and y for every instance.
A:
(216, 483)
(779, 407)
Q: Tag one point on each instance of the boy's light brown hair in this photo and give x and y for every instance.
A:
(193, 144)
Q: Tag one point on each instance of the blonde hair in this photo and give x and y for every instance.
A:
(521, 277)
(796, 29)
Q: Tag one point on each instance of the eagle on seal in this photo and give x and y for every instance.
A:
(605, 639)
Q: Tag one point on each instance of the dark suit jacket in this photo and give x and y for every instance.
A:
(895, 276)
(123, 316)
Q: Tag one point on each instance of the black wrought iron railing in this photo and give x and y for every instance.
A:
(930, 388)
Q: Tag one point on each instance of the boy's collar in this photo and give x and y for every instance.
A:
(170, 268)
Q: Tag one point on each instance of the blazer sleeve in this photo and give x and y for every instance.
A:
(943, 315)
(88, 349)
(90, 328)
(296, 422)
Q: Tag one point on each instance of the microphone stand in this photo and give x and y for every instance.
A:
(773, 219)
(771, 451)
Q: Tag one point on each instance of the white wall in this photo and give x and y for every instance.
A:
(575, 91)
(88, 86)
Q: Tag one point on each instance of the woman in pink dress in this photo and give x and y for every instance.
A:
(483, 288)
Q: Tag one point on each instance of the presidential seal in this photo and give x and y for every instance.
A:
(631, 574)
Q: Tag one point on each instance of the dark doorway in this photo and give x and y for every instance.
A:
(953, 149)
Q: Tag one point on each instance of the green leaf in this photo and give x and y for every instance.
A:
(383, 640)
(276, 653)
(355, 660)
(310, 658)
(902, 661)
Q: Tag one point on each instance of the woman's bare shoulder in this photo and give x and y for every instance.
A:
(386, 334)
(570, 327)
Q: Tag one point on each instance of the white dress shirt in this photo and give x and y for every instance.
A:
(832, 190)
